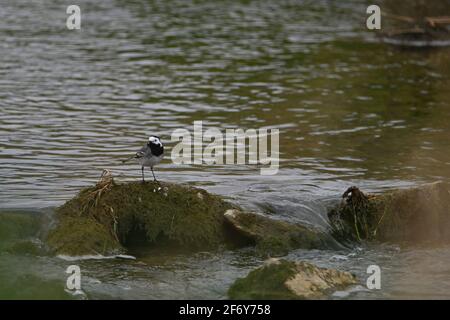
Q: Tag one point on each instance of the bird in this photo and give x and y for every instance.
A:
(149, 155)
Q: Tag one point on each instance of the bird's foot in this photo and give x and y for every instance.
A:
(159, 188)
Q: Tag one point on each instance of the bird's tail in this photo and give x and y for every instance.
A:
(130, 158)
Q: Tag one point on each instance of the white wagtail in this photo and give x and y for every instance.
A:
(149, 155)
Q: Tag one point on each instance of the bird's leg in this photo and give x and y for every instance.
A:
(153, 174)
(159, 184)
(142, 170)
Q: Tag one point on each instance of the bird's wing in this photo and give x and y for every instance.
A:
(139, 154)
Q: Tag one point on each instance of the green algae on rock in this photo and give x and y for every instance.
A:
(416, 215)
(77, 236)
(17, 225)
(19, 233)
(274, 237)
(108, 217)
(27, 247)
(282, 279)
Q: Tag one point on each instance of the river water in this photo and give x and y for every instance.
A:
(350, 109)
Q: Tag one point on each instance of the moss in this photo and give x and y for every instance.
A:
(184, 215)
(417, 214)
(81, 236)
(275, 237)
(266, 282)
(109, 217)
(274, 246)
(25, 247)
(17, 225)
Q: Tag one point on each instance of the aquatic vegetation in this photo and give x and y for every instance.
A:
(282, 279)
(420, 214)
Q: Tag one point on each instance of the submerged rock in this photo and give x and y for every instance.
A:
(282, 279)
(274, 237)
(15, 225)
(19, 233)
(27, 247)
(415, 215)
(107, 218)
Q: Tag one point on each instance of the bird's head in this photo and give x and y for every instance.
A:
(155, 140)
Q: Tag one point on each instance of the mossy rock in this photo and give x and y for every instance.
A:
(415, 215)
(275, 237)
(78, 236)
(109, 217)
(19, 232)
(17, 225)
(288, 280)
(32, 247)
(28, 286)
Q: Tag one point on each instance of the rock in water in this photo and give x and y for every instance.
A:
(19, 232)
(282, 279)
(415, 215)
(107, 218)
(275, 237)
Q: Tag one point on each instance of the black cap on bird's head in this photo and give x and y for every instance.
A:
(154, 140)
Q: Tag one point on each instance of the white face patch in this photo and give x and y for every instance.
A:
(155, 140)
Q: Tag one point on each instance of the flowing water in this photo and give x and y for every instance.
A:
(351, 111)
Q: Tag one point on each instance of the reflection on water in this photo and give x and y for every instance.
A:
(350, 111)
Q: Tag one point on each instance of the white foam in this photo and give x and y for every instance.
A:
(95, 257)
(346, 293)
(417, 43)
